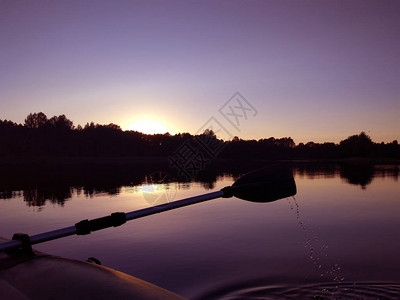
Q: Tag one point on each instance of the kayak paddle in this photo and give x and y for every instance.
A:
(263, 185)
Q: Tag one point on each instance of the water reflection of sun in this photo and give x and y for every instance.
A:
(148, 126)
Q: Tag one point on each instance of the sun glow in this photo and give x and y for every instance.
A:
(148, 126)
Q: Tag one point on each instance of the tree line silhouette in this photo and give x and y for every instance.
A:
(40, 136)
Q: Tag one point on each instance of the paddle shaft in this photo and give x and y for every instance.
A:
(67, 231)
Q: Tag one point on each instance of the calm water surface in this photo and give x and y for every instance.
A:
(338, 237)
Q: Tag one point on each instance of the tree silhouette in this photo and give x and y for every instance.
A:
(61, 123)
(58, 137)
(359, 145)
(36, 120)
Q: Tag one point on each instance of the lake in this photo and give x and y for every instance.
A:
(338, 237)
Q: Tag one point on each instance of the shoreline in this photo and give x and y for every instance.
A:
(163, 161)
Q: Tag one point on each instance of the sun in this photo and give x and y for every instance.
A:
(148, 126)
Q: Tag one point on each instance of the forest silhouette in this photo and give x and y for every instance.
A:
(49, 159)
(40, 136)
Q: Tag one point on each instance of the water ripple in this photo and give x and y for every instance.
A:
(344, 290)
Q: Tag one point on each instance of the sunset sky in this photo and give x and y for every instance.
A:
(312, 70)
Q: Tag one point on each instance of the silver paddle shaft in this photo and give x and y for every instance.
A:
(67, 231)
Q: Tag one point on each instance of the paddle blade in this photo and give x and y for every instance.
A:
(265, 185)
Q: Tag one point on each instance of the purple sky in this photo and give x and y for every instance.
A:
(313, 70)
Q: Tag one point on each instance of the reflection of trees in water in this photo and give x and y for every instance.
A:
(357, 174)
(39, 196)
(361, 174)
(388, 171)
(53, 187)
(91, 190)
(8, 194)
(314, 171)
